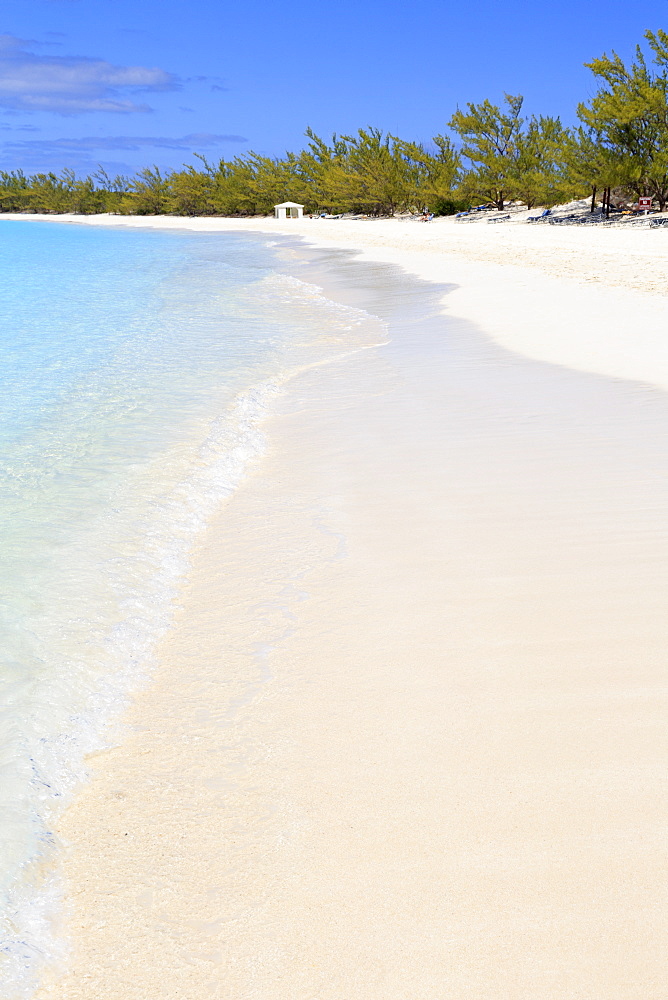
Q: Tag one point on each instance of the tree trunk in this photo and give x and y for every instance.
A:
(593, 198)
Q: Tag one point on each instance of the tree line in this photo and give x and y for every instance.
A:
(491, 153)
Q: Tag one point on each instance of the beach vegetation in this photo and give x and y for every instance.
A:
(490, 143)
(490, 153)
(628, 116)
(15, 192)
(149, 192)
(540, 175)
(191, 192)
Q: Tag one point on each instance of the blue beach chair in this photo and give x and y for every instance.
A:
(543, 215)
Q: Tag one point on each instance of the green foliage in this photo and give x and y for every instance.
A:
(628, 118)
(374, 174)
(149, 193)
(540, 174)
(590, 165)
(14, 191)
(434, 176)
(446, 206)
(490, 137)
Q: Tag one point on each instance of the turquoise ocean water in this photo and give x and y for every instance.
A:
(137, 367)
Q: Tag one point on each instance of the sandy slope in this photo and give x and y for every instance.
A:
(407, 738)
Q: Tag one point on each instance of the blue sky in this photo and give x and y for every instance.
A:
(127, 83)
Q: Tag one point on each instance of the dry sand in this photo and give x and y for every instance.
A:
(407, 739)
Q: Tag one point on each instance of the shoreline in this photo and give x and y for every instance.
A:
(404, 736)
(532, 289)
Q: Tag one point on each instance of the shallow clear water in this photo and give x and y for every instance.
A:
(136, 369)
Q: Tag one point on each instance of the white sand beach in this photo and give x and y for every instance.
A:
(591, 298)
(407, 737)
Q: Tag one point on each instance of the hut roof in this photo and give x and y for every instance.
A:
(288, 204)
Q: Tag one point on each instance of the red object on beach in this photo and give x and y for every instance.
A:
(644, 202)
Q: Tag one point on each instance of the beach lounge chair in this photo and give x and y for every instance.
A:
(562, 220)
(543, 215)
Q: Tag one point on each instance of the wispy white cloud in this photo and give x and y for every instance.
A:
(73, 85)
(195, 140)
(18, 128)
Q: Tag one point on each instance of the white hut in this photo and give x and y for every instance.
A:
(288, 210)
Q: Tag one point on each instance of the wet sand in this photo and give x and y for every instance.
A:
(407, 738)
